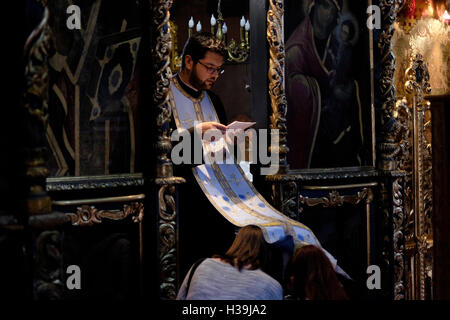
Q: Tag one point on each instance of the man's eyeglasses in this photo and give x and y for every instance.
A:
(210, 70)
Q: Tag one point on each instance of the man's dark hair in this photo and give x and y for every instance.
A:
(198, 44)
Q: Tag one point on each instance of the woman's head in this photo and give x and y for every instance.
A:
(311, 275)
(249, 249)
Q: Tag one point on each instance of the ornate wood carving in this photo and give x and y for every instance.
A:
(398, 240)
(384, 236)
(175, 59)
(387, 125)
(89, 215)
(390, 132)
(167, 239)
(324, 174)
(415, 158)
(35, 100)
(162, 74)
(47, 279)
(275, 37)
(289, 201)
(167, 213)
(390, 237)
(94, 182)
(334, 199)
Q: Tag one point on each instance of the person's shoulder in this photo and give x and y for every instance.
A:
(266, 278)
(215, 99)
(214, 263)
(210, 260)
(207, 261)
(272, 287)
(212, 95)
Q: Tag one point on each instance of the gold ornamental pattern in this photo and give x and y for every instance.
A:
(168, 236)
(275, 38)
(415, 158)
(89, 215)
(387, 148)
(334, 199)
(161, 52)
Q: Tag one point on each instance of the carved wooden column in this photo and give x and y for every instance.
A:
(45, 264)
(275, 37)
(391, 237)
(390, 234)
(415, 158)
(386, 122)
(35, 100)
(165, 182)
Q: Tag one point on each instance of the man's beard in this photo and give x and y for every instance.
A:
(199, 84)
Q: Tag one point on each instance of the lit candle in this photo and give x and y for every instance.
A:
(224, 31)
(247, 26)
(213, 23)
(224, 28)
(247, 29)
(191, 26)
(199, 27)
(242, 22)
(241, 29)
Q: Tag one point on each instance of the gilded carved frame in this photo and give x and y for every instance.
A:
(277, 81)
(415, 158)
(383, 121)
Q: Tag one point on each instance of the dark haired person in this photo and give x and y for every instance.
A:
(202, 63)
(237, 275)
(203, 231)
(311, 276)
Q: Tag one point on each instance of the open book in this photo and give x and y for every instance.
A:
(239, 125)
(232, 128)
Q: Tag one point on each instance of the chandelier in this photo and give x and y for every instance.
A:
(237, 52)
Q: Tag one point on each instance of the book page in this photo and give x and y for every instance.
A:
(239, 125)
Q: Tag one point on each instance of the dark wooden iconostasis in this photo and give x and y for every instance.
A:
(355, 210)
(96, 147)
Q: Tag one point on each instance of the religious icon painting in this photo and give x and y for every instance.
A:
(329, 83)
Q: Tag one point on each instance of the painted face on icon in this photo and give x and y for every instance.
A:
(326, 12)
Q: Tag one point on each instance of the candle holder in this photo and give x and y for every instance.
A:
(175, 59)
(236, 52)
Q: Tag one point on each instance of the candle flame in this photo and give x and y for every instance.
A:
(242, 22)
